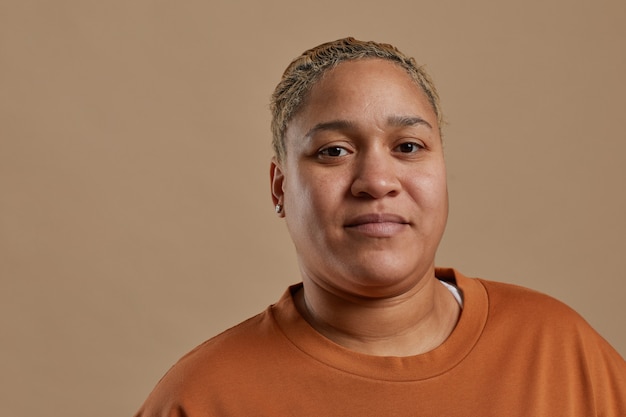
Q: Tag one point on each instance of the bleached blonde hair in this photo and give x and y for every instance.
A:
(307, 69)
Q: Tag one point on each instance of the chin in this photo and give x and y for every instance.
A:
(382, 280)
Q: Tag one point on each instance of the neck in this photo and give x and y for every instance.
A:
(412, 323)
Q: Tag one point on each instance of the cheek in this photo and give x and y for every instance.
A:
(430, 190)
(314, 189)
(438, 203)
(310, 209)
(303, 196)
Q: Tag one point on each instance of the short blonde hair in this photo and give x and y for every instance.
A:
(304, 71)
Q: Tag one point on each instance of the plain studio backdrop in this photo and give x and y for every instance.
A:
(135, 213)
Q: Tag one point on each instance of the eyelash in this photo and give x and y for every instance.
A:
(416, 147)
(326, 151)
(340, 151)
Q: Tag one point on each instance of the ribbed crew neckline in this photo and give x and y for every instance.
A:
(390, 368)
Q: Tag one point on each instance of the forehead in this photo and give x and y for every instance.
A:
(364, 91)
(360, 71)
(369, 65)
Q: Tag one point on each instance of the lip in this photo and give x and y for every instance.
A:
(377, 224)
(375, 218)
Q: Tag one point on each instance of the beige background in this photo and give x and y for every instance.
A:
(135, 217)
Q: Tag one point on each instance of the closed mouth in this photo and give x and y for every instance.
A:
(373, 218)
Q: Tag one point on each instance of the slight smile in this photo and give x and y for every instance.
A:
(377, 224)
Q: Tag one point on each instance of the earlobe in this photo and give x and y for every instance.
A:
(277, 179)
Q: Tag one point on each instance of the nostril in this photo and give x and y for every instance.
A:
(375, 187)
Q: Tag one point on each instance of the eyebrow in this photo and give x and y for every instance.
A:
(405, 121)
(332, 125)
(395, 121)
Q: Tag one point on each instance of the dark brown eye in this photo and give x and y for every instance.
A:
(409, 147)
(334, 151)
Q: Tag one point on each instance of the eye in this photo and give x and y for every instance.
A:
(333, 151)
(409, 147)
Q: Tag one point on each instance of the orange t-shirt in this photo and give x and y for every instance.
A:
(514, 352)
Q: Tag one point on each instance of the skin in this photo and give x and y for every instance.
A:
(364, 194)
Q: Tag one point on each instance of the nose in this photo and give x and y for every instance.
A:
(375, 175)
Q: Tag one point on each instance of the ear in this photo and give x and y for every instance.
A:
(277, 180)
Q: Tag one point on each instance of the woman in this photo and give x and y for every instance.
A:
(374, 328)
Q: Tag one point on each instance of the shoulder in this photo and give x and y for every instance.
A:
(515, 311)
(533, 318)
(514, 298)
(227, 363)
(500, 298)
(231, 353)
(533, 312)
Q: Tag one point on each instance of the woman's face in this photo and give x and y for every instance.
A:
(363, 183)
